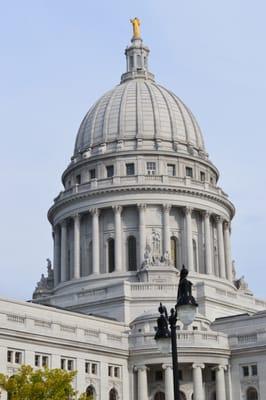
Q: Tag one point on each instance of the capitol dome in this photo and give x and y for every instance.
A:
(138, 108)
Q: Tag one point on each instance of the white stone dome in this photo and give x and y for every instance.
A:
(138, 109)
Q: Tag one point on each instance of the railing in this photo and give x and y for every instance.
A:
(140, 180)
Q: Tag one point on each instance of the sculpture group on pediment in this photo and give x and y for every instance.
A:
(152, 253)
(45, 284)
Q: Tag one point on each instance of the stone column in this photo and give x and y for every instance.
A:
(166, 228)
(77, 246)
(227, 245)
(198, 393)
(220, 246)
(220, 383)
(207, 241)
(228, 383)
(56, 236)
(95, 212)
(142, 382)
(63, 250)
(118, 238)
(188, 212)
(142, 234)
(168, 382)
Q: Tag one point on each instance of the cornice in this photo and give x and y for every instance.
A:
(140, 188)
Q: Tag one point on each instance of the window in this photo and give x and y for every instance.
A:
(131, 62)
(180, 374)
(111, 255)
(37, 360)
(87, 367)
(195, 258)
(116, 372)
(110, 171)
(92, 173)
(151, 168)
(245, 371)
(213, 376)
(252, 394)
(130, 169)
(159, 396)
(132, 253)
(67, 364)
(94, 369)
(254, 370)
(113, 394)
(45, 361)
(78, 179)
(18, 357)
(174, 251)
(110, 370)
(158, 376)
(90, 393)
(189, 172)
(202, 176)
(171, 169)
(9, 356)
(195, 328)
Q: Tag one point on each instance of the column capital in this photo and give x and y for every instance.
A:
(117, 209)
(206, 214)
(63, 223)
(227, 224)
(141, 367)
(76, 216)
(188, 210)
(142, 206)
(195, 365)
(167, 208)
(219, 367)
(218, 219)
(166, 366)
(95, 211)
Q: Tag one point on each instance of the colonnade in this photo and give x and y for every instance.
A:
(222, 375)
(223, 241)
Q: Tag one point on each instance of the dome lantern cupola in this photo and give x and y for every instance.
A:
(137, 56)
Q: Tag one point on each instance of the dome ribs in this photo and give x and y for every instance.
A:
(139, 126)
(174, 132)
(154, 104)
(106, 116)
(121, 116)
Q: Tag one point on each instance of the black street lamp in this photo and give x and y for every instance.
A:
(185, 311)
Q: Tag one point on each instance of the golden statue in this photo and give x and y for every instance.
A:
(136, 28)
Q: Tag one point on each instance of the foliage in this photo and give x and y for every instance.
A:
(41, 384)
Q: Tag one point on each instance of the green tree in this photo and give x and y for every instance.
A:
(41, 384)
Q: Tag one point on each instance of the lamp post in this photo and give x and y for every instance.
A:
(185, 311)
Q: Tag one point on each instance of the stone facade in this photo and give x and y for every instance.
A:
(140, 199)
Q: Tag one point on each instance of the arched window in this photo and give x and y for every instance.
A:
(113, 394)
(195, 258)
(174, 251)
(182, 396)
(132, 253)
(252, 394)
(159, 396)
(111, 255)
(90, 393)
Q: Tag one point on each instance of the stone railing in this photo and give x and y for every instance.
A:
(125, 181)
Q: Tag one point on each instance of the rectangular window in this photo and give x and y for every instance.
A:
(189, 172)
(110, 371)
(70, 365)
(213, 376)
(45, 361)
(254, 370)
(171, 169)
(130, 169)
(202, 176)
(78, 179)
(63, 363)
(245, 371)
(151, 168)
(9, 356)
(116, 372)
(180, 374)
(37, 360)
(92, 173)
(110, 171)
(87, 367)
(18, 357)
(94, 369)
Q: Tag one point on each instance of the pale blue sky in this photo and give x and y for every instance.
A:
(58, 57)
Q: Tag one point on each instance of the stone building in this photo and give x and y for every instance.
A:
(140, 199)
